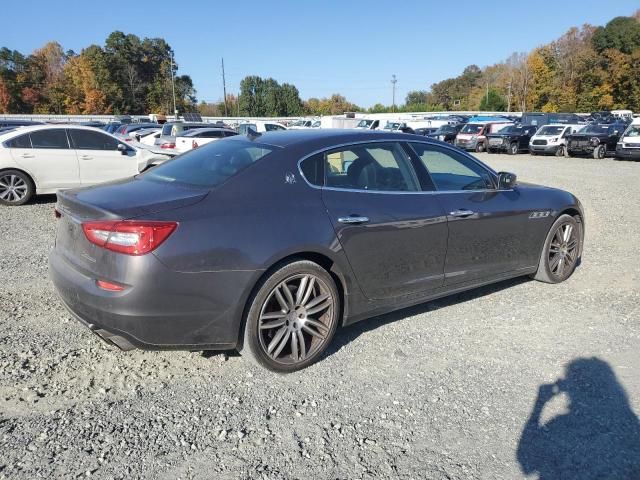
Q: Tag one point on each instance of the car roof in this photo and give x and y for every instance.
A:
(35, 128)
(201, 130)
(321, 138)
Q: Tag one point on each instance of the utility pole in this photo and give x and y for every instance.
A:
(487, 105)
(173, 88)
(224, 90)
(394, 80)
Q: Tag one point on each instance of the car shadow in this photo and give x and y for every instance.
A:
(597, 436)
(348, 334)
(43, 199)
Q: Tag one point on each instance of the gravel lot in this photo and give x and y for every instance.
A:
(444, 390)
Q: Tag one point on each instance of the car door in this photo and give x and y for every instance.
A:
(49, 158)
(393, 234)
(525, 137)
(489, 233)
(99, 157)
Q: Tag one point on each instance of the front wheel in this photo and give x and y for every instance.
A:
(561, 251)
(599, 152)
(292, 317)
(560, 151)
(513, 148)
(480, 147)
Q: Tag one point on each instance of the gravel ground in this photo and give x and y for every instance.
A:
(450, 389)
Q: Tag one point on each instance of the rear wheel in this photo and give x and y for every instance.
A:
(16, 188)
(292, 317)
(561, 251)
(599, 152)
(560, 151)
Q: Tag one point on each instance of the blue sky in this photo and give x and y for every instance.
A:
(322, 47)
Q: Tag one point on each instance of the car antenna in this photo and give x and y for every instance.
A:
(252, 134)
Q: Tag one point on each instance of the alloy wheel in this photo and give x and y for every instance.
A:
(296, 319)
(563, 250)
(12, 188)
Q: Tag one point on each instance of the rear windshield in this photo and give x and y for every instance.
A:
(210, 165)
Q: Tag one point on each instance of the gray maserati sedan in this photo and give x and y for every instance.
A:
(267, 243)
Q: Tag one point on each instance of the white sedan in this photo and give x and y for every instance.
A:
(45, 158)
(200, 136)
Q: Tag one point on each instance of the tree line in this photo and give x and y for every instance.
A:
(127, 75)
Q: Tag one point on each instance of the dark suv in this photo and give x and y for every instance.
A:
(511, 139)
(595, 139)
(446, 133)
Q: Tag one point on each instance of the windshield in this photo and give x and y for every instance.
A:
(392, 125)
(598, 129)
(634, 131)
(446, 129)
(364, 123)
(551, 130)
(472, 128)
(298, 123)
(210, 165)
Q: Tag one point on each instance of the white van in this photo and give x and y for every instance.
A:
(552, 139)
(628, 147)
(260, 126)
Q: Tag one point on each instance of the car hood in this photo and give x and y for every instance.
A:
(128, 198)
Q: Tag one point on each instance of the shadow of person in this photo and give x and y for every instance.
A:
(599, 436)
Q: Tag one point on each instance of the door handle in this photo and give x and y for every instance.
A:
(461, 213)
(27, 155)
(85, 157)
(353, 219)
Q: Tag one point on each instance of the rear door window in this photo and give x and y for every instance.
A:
(382, 167)
(55, 138)
(23, 141)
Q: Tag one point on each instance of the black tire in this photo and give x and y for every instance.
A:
(550, 268)
(16, 187)
(513, 149)
(281, 352)
(560, 151)
(480, 147)
(599, 152)
(567, 153)
(533, 153)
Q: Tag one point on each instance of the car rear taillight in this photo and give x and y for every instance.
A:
(130, 237)
(168, 145)
(194, 144)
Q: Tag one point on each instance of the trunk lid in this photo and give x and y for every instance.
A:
(126, 199)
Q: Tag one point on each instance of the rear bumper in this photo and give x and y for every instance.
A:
(167, 311)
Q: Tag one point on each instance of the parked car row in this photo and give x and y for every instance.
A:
(42, 159)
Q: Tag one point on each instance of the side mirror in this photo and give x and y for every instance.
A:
(122, 148)
(506, 180)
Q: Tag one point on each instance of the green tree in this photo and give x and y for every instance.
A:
(493, 102)
(621, 33)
